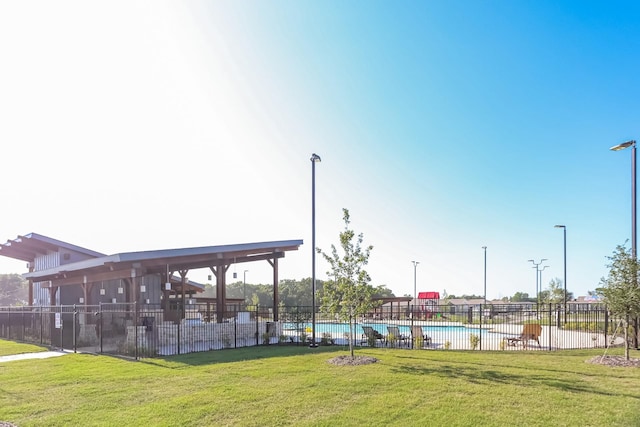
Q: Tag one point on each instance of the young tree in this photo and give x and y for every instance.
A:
(348, 295)
(620, 290)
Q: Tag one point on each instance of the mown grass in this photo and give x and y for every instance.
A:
(9, 347)
(265, 386)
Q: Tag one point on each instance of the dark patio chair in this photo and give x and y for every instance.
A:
(417, 333)
(371, 335)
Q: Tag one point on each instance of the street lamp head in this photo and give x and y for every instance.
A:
(484, 247)
(623, 145)
(543, 259)
(530, 260)
(315, 158)
(559, 226)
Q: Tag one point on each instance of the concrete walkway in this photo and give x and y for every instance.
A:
(38, 355)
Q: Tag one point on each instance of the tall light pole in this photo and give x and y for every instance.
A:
(619, 147)
(564, 229)
(541, 270)
(244, 285)
(485, 275)
(537, 273)
(415, 295)
(314, 159)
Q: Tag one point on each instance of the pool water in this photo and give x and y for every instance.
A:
(435, 332)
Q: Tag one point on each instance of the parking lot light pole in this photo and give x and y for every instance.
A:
(632, 144)
(537, 274)
(415, 295)
(564, 229)
(485, 275)
(314, 159)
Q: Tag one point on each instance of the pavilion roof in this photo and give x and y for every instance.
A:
(161, 261)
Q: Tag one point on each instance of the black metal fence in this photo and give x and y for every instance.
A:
(146, 331)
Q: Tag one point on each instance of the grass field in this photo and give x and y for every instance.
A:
(268, 386)
(9, 347)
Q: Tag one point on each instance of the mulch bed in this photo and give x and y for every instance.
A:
(619, 361)
(352, 361)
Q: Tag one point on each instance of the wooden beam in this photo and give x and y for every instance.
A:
(91, 277)
(212, 262)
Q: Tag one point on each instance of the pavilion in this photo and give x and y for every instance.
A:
(64, 274)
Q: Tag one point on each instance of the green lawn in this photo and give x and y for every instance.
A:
(10, 347)
(267, 386)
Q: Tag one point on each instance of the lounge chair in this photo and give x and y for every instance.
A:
(417, 333)
(530, 332)
(394, 332)
(371, 335)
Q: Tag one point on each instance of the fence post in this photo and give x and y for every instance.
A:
(74, 318)
(606, 328)
(100, 325)
(61, 328)
(480, 331)
(257, 326)
(550, 320)
(135, 325)
(413, 339)
(180, 308)
(41, 326)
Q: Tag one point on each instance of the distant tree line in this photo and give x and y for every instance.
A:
(14, 290)
(291, 292)
(554, 294)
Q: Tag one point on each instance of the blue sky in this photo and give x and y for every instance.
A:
(442, 126)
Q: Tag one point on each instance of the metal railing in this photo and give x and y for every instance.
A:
(136, 330)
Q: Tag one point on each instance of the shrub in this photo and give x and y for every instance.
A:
(326, 339)
(474, 340)
(392, 340)
(447, 345)
(226, 341)
(266, 338)
(419, 342)
(371, 340)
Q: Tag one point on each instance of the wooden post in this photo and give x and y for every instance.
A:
(52, 295)
(276, 298)
(221, 299)
(183, 277)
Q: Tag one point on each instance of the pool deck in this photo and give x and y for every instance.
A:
(552, 337)
(37, 355)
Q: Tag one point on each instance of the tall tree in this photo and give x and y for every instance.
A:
(348, 295)
(382, 291)
(554, 293)
(620, 289)
(521, 297)
(13, 290)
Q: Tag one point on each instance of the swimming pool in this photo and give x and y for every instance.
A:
(436, 332)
